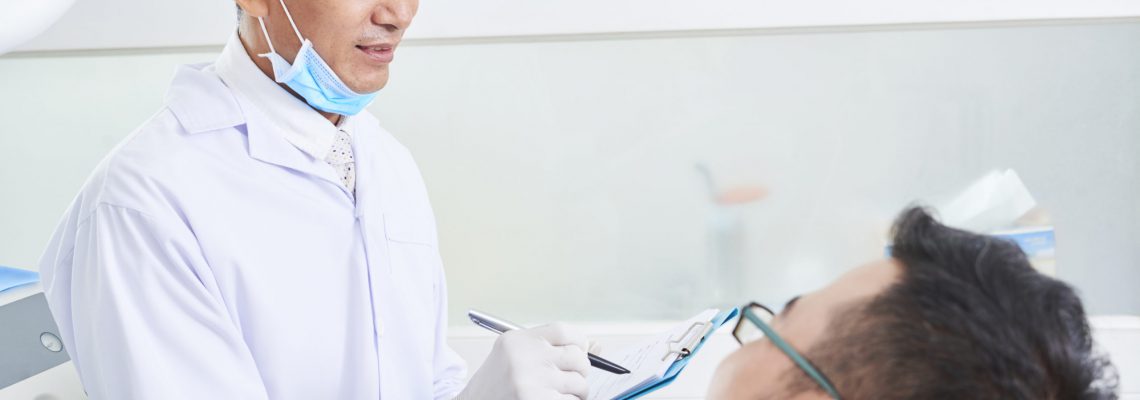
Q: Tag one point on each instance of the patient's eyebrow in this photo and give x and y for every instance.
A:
(788, 306)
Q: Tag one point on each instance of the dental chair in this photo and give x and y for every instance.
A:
(33, 363)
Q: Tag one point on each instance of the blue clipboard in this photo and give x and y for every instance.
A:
(675, 369)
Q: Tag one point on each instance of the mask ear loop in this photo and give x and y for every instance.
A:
(291, 23)
(266, 33)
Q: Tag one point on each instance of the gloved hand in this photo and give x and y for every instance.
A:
(544, 363)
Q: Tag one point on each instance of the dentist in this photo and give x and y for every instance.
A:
(261, 237)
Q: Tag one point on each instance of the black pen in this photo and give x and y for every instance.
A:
(499, 325)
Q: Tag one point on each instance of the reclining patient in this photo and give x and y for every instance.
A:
(952, 315)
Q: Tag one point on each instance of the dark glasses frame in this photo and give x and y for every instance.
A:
(751, 313)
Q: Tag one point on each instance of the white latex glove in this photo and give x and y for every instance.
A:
(544, 363)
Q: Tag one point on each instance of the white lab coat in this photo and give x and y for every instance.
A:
(208, 258)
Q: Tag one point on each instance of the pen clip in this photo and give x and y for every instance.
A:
(491, 322)
(487, 326)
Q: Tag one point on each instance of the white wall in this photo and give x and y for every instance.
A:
(568, 166)
(564, 169)
(123, 24)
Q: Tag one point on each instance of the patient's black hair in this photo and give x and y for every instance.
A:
(969, 318)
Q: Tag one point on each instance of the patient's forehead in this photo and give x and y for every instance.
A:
(754, 371)
(806, 322)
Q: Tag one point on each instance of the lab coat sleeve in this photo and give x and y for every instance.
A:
(450, 369)
(146, 319)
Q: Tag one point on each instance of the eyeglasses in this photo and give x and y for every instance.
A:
(753, 326)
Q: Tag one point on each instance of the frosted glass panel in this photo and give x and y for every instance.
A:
(563, 173)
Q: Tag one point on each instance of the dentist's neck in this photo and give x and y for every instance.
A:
(333, 118)
(267, 68)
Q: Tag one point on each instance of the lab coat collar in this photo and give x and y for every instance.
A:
(203, 103)
(200, 102)
(297, 121)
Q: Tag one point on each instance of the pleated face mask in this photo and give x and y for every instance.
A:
(311, 78)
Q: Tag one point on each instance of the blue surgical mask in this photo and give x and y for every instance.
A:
(311, 78)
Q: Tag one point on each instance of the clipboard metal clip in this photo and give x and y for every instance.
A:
(683, 346)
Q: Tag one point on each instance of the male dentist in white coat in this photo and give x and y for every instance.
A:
(261, 237)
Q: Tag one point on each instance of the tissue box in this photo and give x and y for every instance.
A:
(1038, 244)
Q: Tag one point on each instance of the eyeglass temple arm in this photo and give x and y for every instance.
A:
(794, 355)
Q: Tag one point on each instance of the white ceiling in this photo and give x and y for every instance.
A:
(128, 24)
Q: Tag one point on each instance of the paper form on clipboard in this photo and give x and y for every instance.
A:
(656, 362)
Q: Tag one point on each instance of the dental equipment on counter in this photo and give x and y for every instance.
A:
(726, 236)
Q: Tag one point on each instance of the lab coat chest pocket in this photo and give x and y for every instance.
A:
(413, 263)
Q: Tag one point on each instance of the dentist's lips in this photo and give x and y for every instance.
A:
(380, 53)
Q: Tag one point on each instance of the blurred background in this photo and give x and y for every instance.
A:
(642, 165)
(623, 164)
